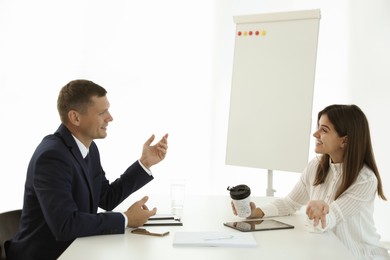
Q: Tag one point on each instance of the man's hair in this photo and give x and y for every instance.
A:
(76, 95)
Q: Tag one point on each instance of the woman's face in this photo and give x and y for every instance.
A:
(328, 140)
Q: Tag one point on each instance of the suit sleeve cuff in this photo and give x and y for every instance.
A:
(126, 220)
(146, 169)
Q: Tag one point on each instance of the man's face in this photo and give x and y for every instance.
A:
(94, 122)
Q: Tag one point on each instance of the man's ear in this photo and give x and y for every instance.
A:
(74, 117)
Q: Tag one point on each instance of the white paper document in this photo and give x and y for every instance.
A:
(214, 239)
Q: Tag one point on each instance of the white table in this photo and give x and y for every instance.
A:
(207, 213)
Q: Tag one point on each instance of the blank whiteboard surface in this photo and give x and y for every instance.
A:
(272, 90)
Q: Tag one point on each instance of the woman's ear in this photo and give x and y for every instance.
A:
(344, 142)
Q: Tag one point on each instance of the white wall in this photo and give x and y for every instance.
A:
(154, 61)
(368, 84)
(167, 67)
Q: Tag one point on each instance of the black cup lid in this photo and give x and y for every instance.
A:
(239, 192)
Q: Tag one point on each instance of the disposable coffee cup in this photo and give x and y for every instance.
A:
(240, 195)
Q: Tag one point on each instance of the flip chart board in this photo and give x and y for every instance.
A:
(272, 90)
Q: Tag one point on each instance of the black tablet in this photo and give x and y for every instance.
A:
(258, 225)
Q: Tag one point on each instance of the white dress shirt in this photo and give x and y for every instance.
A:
(350, 216)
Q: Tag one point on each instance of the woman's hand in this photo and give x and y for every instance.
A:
(317, 210)
(255, 212)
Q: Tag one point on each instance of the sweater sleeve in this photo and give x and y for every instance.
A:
(298, 196)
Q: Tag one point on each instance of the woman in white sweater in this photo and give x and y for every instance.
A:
(340, 185)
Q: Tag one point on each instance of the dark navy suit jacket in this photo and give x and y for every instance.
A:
(62, 196)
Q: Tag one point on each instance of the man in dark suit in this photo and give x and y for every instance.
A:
(66, 183)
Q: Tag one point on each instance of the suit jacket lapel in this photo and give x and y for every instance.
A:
(69, 141)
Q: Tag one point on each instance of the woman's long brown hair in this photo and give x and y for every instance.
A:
(350, 121)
